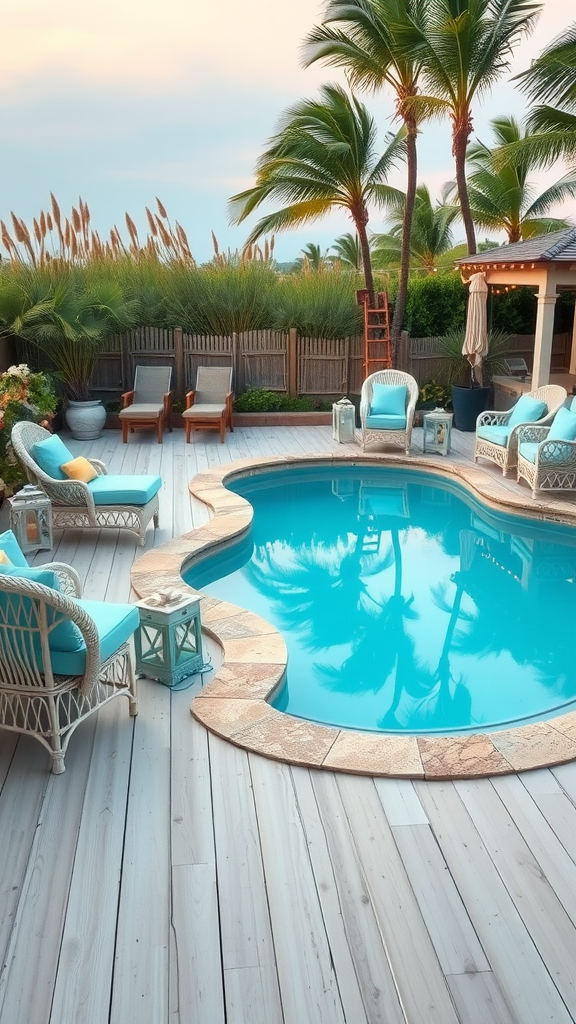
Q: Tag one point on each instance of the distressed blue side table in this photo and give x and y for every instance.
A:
(168, 641)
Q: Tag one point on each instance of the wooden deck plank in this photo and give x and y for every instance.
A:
(555, 805)
(244, 915)
(308, 984)
(479, 1000)
(198, 971)
(140, 988)
(549, 925)
(403, 929)
(25, 993)
(84, 973)
(191, 807)
(400, 802)
(364, 976)
(520, 973)
(453, 937)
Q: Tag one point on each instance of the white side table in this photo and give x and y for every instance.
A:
(437, 431)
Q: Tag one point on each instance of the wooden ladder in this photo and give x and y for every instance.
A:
(377, 351)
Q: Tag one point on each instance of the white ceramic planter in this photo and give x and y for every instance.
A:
(85, 419)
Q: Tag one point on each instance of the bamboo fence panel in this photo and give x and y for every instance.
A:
(205, 350)
(323, 366)
(262, 361)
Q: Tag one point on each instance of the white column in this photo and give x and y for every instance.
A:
(543, 339)
(572, 367)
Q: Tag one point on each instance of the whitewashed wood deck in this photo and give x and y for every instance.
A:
(170, 878)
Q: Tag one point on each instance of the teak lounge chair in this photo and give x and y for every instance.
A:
(497, 432)
(209, 406)
(93, 498)
(62, 657)
(149, 404)
(387, 403)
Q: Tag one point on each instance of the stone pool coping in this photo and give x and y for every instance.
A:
(234, 706)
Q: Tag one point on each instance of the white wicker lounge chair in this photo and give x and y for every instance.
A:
(209, 406)
(107, 502)
(149, 404)
(387, 413)
(62, 657)
(497, 432)
(547, 455)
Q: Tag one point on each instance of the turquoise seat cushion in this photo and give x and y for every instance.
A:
(124, 490)
(63, 637)
(496, 434)
(563, 427)
(388, 422)
(388, 399)
(528, 450)
(50, 454)
(527, 410)
(11, 548)
(115, 624)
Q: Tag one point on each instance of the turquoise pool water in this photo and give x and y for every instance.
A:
(405, 605)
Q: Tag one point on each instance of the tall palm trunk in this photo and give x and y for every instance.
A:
(462, 129)
(360, 222)
(412, 175)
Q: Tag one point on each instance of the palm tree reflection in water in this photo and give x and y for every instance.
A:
(422, 646)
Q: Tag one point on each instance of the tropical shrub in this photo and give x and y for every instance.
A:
(261, 400)
(24, 395)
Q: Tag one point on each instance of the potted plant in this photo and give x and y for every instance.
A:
(469, 398)
(24, 395)
(67, 317)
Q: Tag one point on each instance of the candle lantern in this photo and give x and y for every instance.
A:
(31, 519)
(343, 421)
(437, 431)
(168, 642)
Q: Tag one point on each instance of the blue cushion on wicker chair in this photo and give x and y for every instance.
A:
(50, 454)
(527, 410)
(386, 422)
(563, 427)
(388, 400)
(65, 636)
(115, 624)
(11, 548)
(124, 490)
(497, 433)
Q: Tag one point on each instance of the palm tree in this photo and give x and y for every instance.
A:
(360, 36)
(322, 157)
(312, 257)
(551, 81)
(431, 232)
(501, 196)
(348, 252)
(464, 46)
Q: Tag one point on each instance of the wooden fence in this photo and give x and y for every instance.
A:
(275, 360)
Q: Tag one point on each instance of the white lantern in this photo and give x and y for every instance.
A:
(343, 421)
(437, 431)
(31, 519)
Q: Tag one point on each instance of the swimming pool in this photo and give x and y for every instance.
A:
(406, 605)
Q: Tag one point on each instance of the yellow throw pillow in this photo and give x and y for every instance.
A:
(4, 560)
(79, 469)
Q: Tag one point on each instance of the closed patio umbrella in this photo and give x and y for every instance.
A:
(475, 346)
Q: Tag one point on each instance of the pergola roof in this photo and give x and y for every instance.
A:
(554, 247)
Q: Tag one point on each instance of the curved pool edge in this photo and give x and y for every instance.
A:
(234, 704)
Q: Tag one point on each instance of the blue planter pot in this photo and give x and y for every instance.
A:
(467, 404)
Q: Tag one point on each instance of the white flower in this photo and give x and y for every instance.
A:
(21, 371)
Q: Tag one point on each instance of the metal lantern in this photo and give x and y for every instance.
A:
(31, 519)
(343, 421)
(169, 640)
(437, 431)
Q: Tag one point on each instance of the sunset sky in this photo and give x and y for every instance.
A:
(120, 101)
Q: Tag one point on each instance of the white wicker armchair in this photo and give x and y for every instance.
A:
(73, 502)
(506, 455)
(37, 701)
(554, 465)
(399, 436)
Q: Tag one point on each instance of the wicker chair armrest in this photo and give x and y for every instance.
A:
(127, 398)
(99, 467)
(69, 609)
(68, 578)
(67, 492)
(190, 399)
(561, 454)
(530, 432)
(492, 418)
